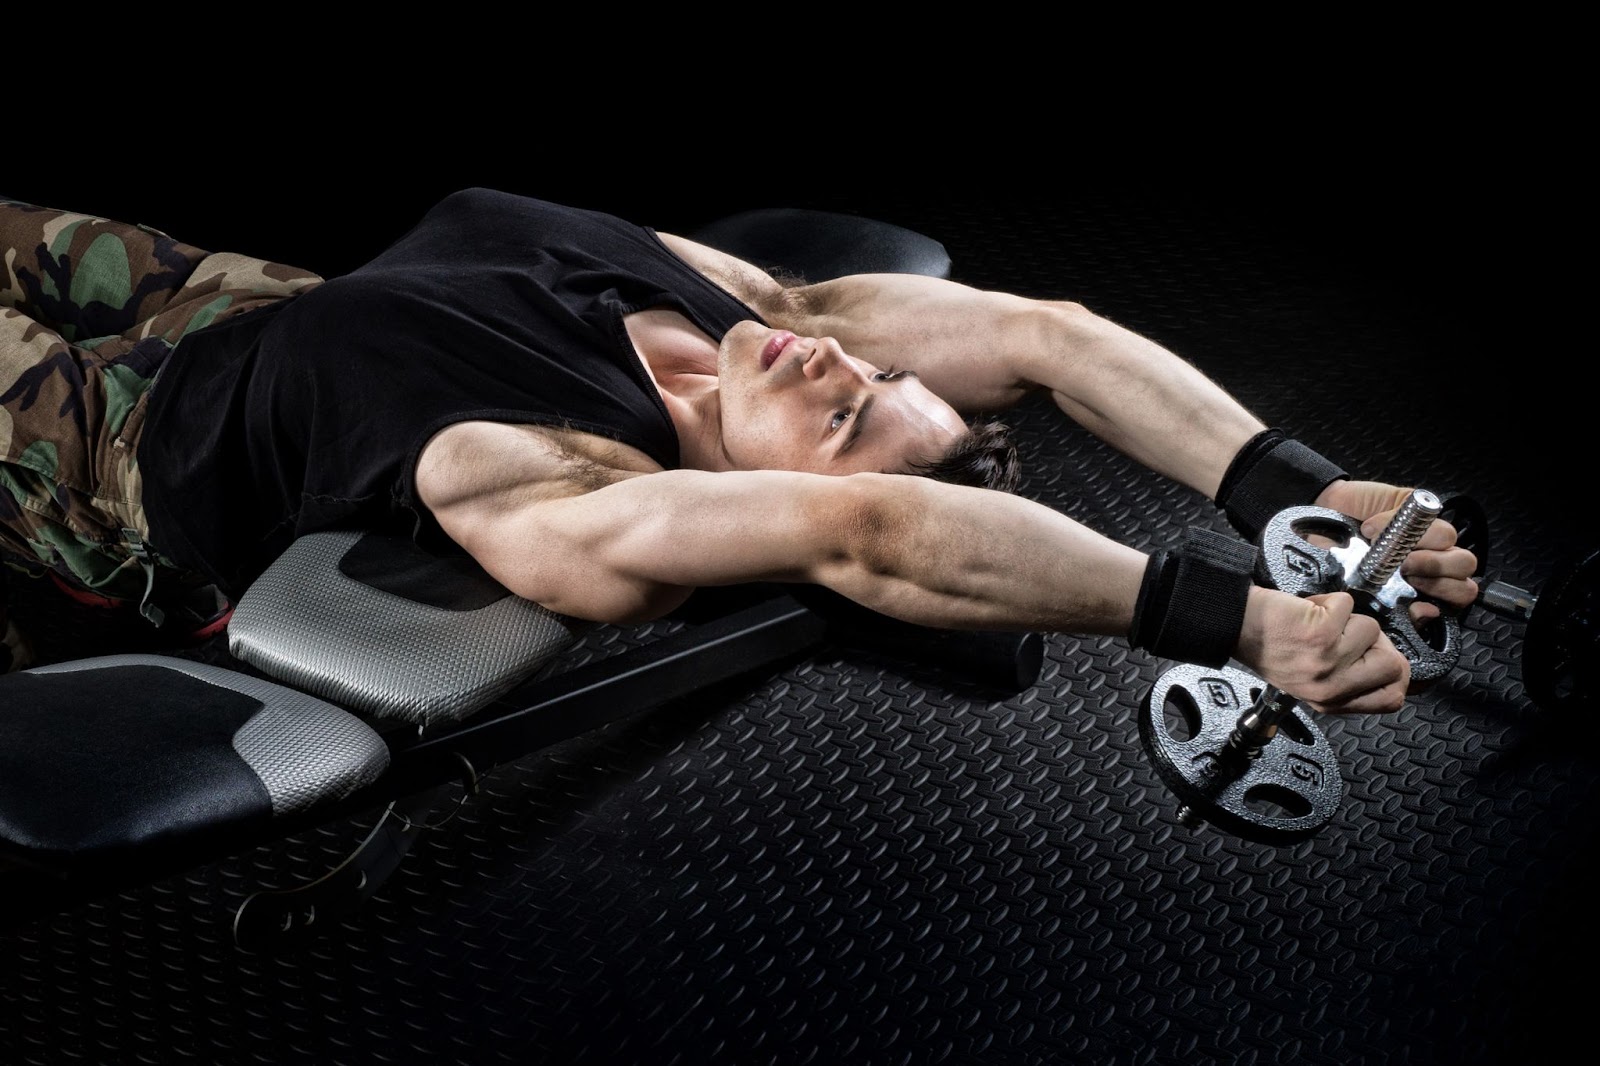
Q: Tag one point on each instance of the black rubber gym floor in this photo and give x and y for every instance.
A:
(851, 862)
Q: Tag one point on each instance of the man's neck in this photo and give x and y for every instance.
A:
(682, 362)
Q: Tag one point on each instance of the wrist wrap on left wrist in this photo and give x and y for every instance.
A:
(1271, 472)
(1192, 601)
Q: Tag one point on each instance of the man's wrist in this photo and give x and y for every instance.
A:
(1191, 604)
(1271, 472)
(1332, 495)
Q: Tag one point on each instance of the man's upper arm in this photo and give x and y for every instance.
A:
(635, 549)
(978, 349)
(971, 347)
(966, 345)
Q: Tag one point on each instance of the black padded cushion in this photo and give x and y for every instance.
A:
(118, 758)
(820, 245)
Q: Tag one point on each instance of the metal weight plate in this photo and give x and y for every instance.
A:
(1561, 649)
(1294, 564)
(1289, 791)
(1471, 524)
(1432, 655)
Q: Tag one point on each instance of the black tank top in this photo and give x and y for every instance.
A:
(309, 414)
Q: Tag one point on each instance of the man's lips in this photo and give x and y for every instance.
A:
(774, 348)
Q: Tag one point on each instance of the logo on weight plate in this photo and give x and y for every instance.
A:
(1219, 692)
(1305, 769)
(1301, 562)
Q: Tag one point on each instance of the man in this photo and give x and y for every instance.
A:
(607, 418)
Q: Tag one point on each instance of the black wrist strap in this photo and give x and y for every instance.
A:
(1271, 472)
(1191, 604)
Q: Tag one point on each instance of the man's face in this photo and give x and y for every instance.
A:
(801, 403)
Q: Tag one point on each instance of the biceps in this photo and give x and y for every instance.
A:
(635, 550)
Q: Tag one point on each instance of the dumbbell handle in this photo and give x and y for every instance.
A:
(1254, 730)
(1259, 722)
(1411, 520)
(1402, 534)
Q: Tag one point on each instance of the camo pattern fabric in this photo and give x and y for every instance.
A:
(89, 311)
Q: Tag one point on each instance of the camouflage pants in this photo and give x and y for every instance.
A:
(89, 311)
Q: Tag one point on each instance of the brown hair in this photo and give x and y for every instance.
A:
(984, 457)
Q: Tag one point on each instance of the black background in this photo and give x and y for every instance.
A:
(1466, 220)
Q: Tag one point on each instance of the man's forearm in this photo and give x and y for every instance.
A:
(1139, 397)
(956, 557)
(910, 547)
(983, 351)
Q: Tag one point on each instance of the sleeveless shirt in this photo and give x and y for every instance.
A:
(309, 414)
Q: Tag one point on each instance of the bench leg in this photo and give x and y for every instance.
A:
(282, 916)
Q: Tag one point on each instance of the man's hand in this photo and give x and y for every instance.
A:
(1436, 567)
(1317, 649)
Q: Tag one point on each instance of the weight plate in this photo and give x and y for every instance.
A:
(1289, 791)
(1561, 649)
(1292, 563)
(1432, 654)
(1471, 523)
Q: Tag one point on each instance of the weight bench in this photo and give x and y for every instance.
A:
(375, 675)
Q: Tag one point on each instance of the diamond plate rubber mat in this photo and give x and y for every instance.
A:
(846, 863)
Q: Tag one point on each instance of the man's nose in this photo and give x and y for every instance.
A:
(825, 359)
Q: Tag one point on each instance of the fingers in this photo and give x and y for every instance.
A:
(1421, 611)
(1337, 607)
(1375, 671)
(1448, 563)
(1363, 673)
(1455, 592)
(1439, 536)
(1443, 575)
(1381, 677)
(1324, 652)
(1435, 567)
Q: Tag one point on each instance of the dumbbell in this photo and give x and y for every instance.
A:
(1561, 645)
(1252, 761)
(1240, 753)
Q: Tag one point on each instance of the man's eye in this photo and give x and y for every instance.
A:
(840, 417)
(887, 374)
